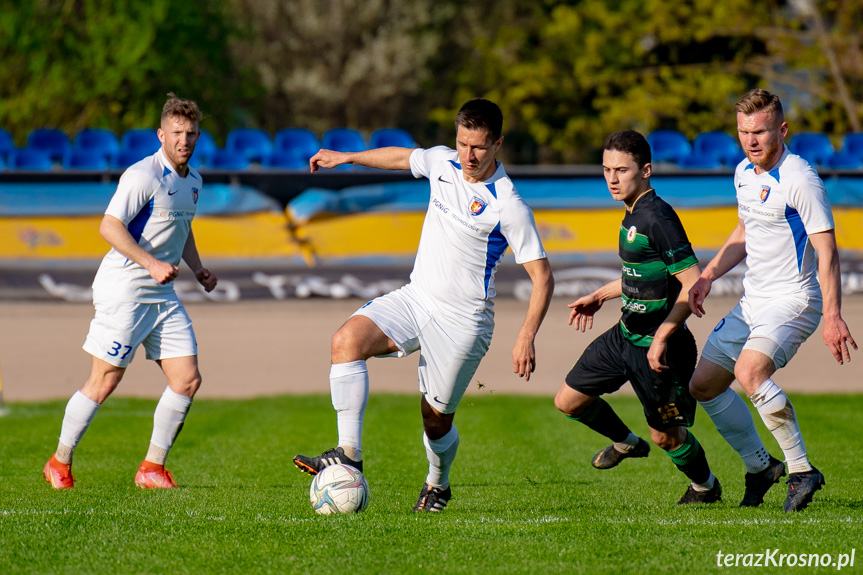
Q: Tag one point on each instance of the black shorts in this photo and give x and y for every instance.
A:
(611, 360)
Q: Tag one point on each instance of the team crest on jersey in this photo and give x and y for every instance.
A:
(477, 206)
(765, 193)
(630, 234)
(195, 195)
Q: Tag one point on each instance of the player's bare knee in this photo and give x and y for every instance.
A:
(699, 392)
(701, 388)
(345, 345)
(565, 406)
(435, 428)
(569, 403)
(435, 423)
(102, 381)
(750, 376)
(669, 439)
(194, 385)
(187, 386)
(99, 386)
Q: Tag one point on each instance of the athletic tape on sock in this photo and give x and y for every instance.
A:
(734, 422)
(687, 451)
(349, 391)
(80, 411)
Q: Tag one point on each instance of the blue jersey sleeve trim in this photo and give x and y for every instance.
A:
(798, 232)
(497, 245)
(136, 226)
(165, 171)
(456, 164)
(491, 189)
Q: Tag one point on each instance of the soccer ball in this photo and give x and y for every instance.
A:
(339, 489)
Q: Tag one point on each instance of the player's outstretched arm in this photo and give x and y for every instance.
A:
(836, 334)
(733, 252)
(193, 260)
(390, 158)
(115, 233)
(524, 350)
(584, 308)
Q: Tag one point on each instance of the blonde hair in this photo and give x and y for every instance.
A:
(759, 100)
(181, 107)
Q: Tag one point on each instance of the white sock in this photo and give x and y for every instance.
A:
(441, 454)
(80, 411)
(733, 421)
(167, 423)
(627, 444)
(349, 389)
(706, 486)
(778, 414)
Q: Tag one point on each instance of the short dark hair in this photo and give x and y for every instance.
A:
(181, 107)
(481, 114)
(632, 143)
(759, 100)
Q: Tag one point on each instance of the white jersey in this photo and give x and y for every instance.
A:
(780, 209)
(466, 231)
(157, 207)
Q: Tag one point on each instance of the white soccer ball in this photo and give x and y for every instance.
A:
(339, 489)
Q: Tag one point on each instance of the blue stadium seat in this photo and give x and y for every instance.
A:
(288, 159)
(853, 144)
(699, 161)
(227, 160)
(52, 141)
(668, 146)
(84, 159)
(126, 158)
(814, 147)
(252, 143)
(143, 141)
(843, 161)
(733, 158)
(97, 141)
(29, 159)
(720, 145)
(343, 140)
(297, 141)
(391, 137)
(7, 144)
(206, 145)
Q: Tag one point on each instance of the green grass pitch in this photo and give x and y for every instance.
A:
(525, 498)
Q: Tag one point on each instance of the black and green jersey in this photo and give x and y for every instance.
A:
(653, 247)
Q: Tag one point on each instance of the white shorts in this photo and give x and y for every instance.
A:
(776, 327)
(119, 327)
(448, 358)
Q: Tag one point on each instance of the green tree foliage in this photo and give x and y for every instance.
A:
(354, 63)
(816, 51)
(566, 72)
(100, 63)
(569, 73)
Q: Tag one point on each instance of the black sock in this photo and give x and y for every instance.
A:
(691, 459)
(601, 418)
